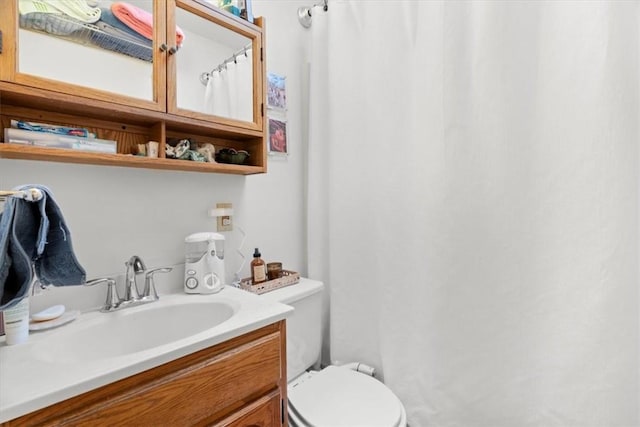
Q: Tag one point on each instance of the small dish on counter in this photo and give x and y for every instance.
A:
(65, 318)
(50, 313)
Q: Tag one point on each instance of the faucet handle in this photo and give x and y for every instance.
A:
(113, 299)
(150, 292)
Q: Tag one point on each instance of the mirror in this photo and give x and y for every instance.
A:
(88, 47)
(214, 69)
(96, 49)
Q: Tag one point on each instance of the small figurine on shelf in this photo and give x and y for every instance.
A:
(208, 151)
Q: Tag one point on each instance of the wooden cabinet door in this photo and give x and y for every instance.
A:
(265, 412)
(217, 74)
(53, 52)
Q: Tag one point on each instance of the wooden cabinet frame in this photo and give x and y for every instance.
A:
(133, 121)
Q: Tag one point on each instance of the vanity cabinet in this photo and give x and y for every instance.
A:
(151, 90)
(241, 382)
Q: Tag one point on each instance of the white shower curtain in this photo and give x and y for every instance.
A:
(473, 205)
(227, 93)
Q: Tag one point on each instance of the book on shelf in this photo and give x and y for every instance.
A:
(50, 128)
(52, 140)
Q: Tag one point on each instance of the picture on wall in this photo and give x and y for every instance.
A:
(276, 92)
(278, 136)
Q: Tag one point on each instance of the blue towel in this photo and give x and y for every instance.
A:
(34, 238)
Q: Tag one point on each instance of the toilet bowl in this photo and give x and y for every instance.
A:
(335, 396)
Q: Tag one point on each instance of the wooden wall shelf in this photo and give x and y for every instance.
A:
(129, 120)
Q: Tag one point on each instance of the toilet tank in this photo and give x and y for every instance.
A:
(304, 325)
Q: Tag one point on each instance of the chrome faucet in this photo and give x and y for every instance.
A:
(135, 266)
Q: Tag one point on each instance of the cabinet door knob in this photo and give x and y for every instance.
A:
(173, 49)
(163, 47)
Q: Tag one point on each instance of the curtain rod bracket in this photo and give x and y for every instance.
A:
(304, 13)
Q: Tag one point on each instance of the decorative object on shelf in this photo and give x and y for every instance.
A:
(288, 278)
(183, 149)
(232, 156)
(278, 137)
(276, 92)
(208, 151)
(152, 148)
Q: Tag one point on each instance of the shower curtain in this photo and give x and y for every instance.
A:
(227, 94)
(473, 205)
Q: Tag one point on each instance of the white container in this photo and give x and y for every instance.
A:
(16, 322)
(152, 148)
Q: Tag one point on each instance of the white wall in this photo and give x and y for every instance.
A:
(115, 212)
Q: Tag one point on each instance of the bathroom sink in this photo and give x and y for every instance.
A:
(98, 348)
(131, 330)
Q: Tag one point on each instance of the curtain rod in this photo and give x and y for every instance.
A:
(304, 13)
(204, 77)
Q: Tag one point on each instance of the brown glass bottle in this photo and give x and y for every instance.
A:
(258, 269)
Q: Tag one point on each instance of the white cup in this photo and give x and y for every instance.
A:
(16, 322)
(152, 149)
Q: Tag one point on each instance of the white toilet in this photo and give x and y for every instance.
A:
(336, 395)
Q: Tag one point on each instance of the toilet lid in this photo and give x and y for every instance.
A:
(339, 396)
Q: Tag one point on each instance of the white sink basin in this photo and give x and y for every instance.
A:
(132, 330)
(100, 348)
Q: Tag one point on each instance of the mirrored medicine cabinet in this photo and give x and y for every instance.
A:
(193, 71)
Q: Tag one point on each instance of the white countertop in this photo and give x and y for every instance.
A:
(28, 382)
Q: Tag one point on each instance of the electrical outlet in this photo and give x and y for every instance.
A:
(225, 222)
